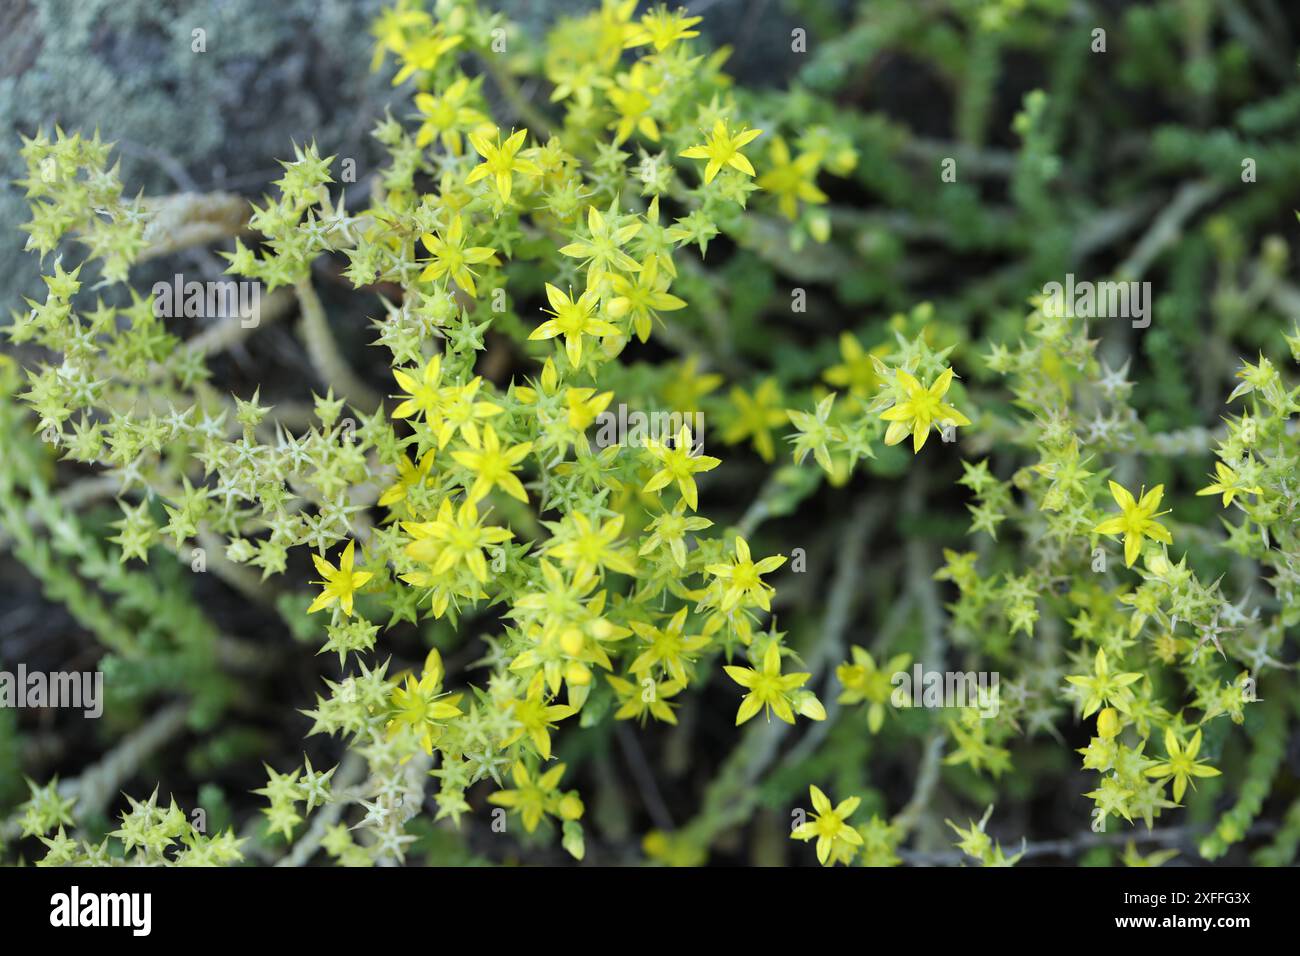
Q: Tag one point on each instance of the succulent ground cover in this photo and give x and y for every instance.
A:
(893, 463)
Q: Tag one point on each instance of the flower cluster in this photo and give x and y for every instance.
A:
(491, 582)
(460, 498)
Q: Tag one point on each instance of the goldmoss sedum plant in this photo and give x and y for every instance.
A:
(498, 625)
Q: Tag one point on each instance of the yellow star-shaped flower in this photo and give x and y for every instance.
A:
(451, 258)
(768, 688)
(662, 28)
(573, 320)
(1181, 764)
(837, 841)
(921, 408)
(501, 161)
(742, 579)
(1137, 520)
(493, 466)
(421, 389)
(340, 583)
(679, 464)
(721, 148)
(1227, 483)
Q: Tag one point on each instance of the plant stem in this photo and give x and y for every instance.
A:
(324, 351)
(506, 83)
